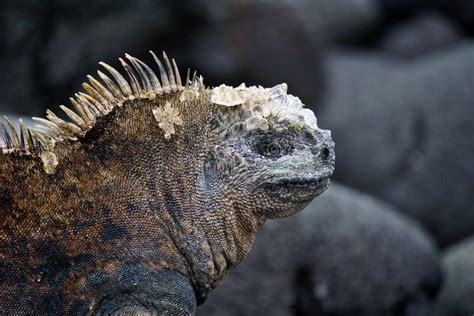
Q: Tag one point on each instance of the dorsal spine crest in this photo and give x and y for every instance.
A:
(101, 98)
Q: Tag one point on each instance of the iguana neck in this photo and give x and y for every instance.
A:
(212, 230)
(125, 172)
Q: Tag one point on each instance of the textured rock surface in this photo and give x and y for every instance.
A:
(401, 131)
(346, 254)
(456, 297)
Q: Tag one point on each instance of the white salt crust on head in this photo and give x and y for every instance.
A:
(262, 103)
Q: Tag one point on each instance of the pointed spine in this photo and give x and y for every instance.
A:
(188, 76)
(93, 103)
(170, 72)
(104, 92)
(176, 71)
(6, 137)
(53, 129)
(66, 127)
(146, 84)
(41, 139)
(13, 134)
(122, 83)
(164, 77)
(99, 99)
(111, 85)
(74, 117)
(25, 137)
(133, 78)
(83, 112)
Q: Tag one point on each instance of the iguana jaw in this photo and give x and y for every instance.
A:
(297, 189)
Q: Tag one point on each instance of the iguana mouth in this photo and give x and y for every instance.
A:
(296, 188)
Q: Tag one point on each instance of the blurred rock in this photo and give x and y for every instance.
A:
(403, 132)
(424, 34)
(346, 254)
(456, 297)
(460, 11)
(399, 9)
(263, 44)
(49, 47)
(339, 21)
(328, 20)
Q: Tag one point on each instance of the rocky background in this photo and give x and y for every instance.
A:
(393, 80)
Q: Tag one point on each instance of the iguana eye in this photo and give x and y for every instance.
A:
(271, 146)
(272, 150)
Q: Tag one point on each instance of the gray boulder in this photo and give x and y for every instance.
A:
(47, 50)
(346, 254)
(264, 43)
(424, 34)
(456, 297)
(339, 21)
(403, 131)
(331, 21)
(460, 11)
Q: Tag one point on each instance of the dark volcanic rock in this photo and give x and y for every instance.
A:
(332, 21)
(346, 254)
(425, 34)
(261, 43)
(48, 47)
(403, 132)
(456, 297)
(339, 21)
(461, 11)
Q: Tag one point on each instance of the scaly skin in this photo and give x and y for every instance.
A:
(124, 215)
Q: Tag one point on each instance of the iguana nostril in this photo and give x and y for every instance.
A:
(325, 154)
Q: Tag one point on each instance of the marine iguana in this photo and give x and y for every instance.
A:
(151, 192)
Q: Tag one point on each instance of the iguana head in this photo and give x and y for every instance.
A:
(270, 152)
